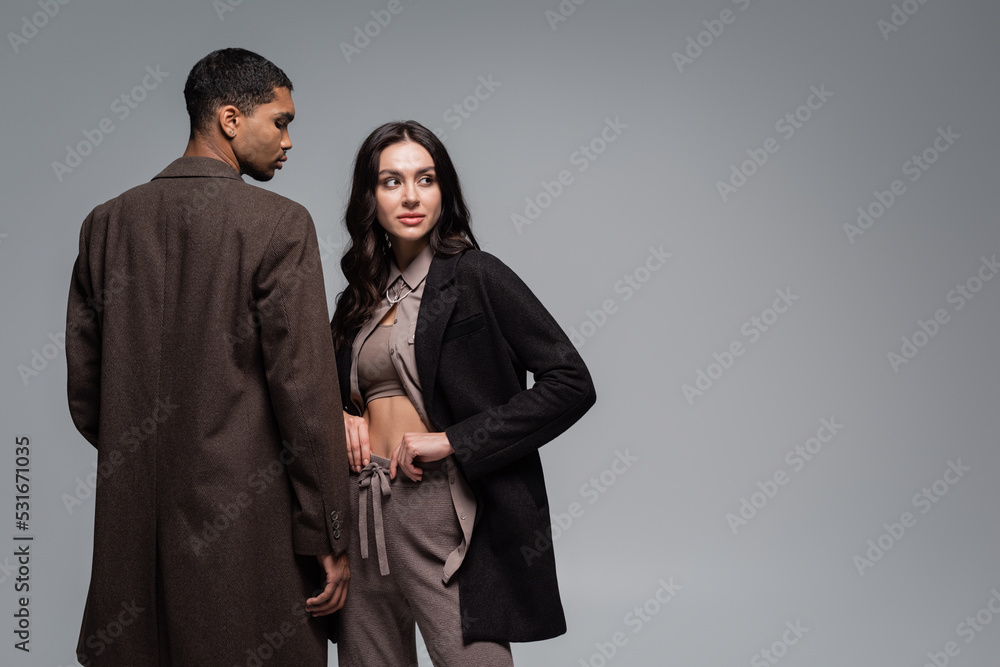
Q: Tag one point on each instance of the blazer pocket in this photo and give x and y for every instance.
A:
(463, 327)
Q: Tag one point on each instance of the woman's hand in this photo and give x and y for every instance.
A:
(418, 447)
(358, 448)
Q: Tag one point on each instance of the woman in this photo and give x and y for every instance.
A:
(434, 338)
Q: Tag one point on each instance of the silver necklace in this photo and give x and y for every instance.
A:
(398, 298)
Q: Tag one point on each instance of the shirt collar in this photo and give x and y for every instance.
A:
(416, 271)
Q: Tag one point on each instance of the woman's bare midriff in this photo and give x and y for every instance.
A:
(390, 417)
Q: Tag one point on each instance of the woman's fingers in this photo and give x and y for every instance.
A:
(364, 445)
(402, 459)
(358, 446)
(352, 438)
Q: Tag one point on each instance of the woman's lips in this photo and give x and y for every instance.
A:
(415, 219)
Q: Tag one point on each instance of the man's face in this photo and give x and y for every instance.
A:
(262, 139)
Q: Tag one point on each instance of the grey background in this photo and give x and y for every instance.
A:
(665, 516)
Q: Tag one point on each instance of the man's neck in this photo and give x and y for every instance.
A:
(199, 146)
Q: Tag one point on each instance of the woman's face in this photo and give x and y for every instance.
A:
(408, 199)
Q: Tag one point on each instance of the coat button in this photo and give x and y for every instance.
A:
(334, 515)
(336, 534)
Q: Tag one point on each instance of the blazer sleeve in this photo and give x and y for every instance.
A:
(83, 344)
(302, 380)
(562, 391)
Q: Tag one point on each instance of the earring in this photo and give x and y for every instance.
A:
(388, 243)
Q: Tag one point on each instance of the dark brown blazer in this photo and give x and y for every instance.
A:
(200, 366)
(479, 330)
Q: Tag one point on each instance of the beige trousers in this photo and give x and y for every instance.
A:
(407, 529)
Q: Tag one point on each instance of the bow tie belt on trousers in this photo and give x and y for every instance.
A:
(373, 472)
(428, 501)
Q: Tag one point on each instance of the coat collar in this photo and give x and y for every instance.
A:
(193, 167)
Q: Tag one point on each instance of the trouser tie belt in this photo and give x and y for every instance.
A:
(371, 472)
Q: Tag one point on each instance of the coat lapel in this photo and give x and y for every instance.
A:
(436, 306)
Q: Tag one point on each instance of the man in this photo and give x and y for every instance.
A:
(200, 366)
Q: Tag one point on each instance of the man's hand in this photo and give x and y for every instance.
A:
(338, 573)
(358, 449)
(417, 446)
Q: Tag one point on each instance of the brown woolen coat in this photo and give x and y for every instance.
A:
(200, 366)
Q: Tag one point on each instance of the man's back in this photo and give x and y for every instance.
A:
(200, 364)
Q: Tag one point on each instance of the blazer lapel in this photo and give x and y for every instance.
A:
(436, 306)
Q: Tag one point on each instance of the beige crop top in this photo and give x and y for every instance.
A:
(377, 376)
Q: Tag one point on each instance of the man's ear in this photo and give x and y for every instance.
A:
(229, 118)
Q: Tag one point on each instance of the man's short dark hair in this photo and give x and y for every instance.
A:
(230, 76)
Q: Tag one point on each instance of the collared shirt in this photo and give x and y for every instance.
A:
(401, 354)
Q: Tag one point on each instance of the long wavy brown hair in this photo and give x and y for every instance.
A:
(366, 260)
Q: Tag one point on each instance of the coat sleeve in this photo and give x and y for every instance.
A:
(83, 344)
(562, 391)
(302, 380)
